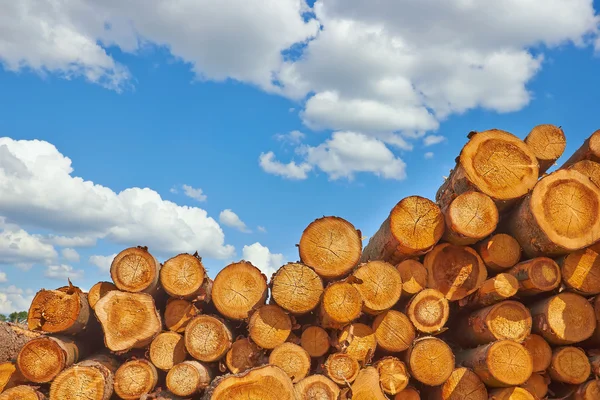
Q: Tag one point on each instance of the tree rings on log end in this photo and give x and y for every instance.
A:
(430, 361)
(238, 289)
(428, 310)
(297, 288)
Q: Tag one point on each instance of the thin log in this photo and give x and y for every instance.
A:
(540, 351)
(414, 276)
(243, 355)
(64, 311)
(135, 379)
(341, 368)
(428, 310)
(316, 387)
(580, 270)
(207, 338)
(91, 379)
(166, 350)
(393, 375)
(535, 276)
(184, 276)
(342, 304)
(293, 359)
(315, 340)
(188, 378)
(470, 217)
(379, 284)
(569, 365)
(537, 385)
(430, 361)
(269, 326)
(98, 291)
(499, 288)
(22, 392)
(462, 384)
(393, 331)
(296, 288)
(499, 252)
(238, 289)
(135, 270)
(547, 142)
(266, 383)
(358, 341)
(591, 169)
(511, 393)
(178, 314)
(589, 150)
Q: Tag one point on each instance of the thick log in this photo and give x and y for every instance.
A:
(12, 338)
(64, 311)
(559, 216)
(413, 227)
(166, 350)
(91, 379)
(316, 387)
(470, 217)
(315, 340)
(296, 288)
(505, 320)
(414, 276)
(430, 361)
(22, 392)
(358, 341)
(243, 355)
(540, 351)
(331, 246)
(292, 359)
(379, 284)
(135, 270)
(393, 375)
(566, 318)
(589, 150)
(511, 393)
(266, 383)
(341, 368)
(498, 364)
(129, 320)
(10, 376)
(499, 252)
(536, 276)
(393, 331)
(238, 289)
(269, 326)
(207, 338)
(410, 393)
(456, 271)
(178, 314)
(537, 385)
(493, 162)
(134, 379)
(188, 378)
(42, 359)
(428, 310)
(184, 276)
(366, 385)
(462, 384)
(591, 169)
(569, 365)
(580, 270)
(588, 391)
(98, 291)
(499, 288)
(342, 304)
(547, 142)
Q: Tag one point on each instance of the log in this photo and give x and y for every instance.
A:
(238, 289)
(470, 217)
(580, 270)
(366, 386)
(594, 340)
(243, 355)
(393, 331)
(559, 216)
(535, 276)
(91, 379)
(64, 310)
(315, 340)
(456, 271)
(588, 391)
(316, 387)
(589, 150)
(129, 320)
(331, 246)
(547, 142)
(266, 383)
(12, 338)
(428, 310)
(342, 304)
(566, 318)
(537, 385)
(591, 169)
(269, 326)
(505, 320)
(161, 395)
(341, 368)
(207, 338)
(511, 393)
(413, 227)
(430, 361)
(135, 270)
(499, 252)
(22, 392)
(393, 375)
(292, 359)
(462, 384)
(594, 358)
(98, 291)
(178, 314)
(379, 284)
(358, 341)
(296, 288)
(134, 379)
(414, 276)
(410, 393)
(569, 365)
(166, 350)
(42, 359)
(10, 376)
(494, 290)
(540, 351)
(188, 378)
(498, 364)
(493, 162)
(184, 277)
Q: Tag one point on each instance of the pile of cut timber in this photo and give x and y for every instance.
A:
(492, 291)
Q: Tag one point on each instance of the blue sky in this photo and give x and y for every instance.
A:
(148, 100)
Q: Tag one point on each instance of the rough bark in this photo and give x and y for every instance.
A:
(269, 326)
(537, 384)
(580, 270)
(342, 304)
(292, 359)
(184, 276)
(135, 270)
(428, 310)
(366, 385)
(569, 365)
(188, 378)
(98, 291)
(296, 288)
(379, 284)
(243, 355)
(64, 311)
(135, 379)
(499, 252)
(462, 384)
(22, 392)
(12, 338)
(166, 350)
(207, 338)
(540, 350)
(535, 276)
(414, 276)
(430, 361)
(178, 314)
(91, 379)
(591, 169)
(393, 331)
(341, 368)
(589, 150)
(358, 341)
(266, 383)
(547, 142)
(316, 387)
(393, 375)
(315, 340)
(470, 217)
(499, 288)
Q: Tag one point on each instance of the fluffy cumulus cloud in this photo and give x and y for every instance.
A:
(18, 247)
(39, 189)
(63, 272)
(231, 219)
(294, 137)
(70, 254)
(291, 170)
(261, 257)
(433, 139)
(193, 193)
(3, 277)
(102, 262)
(13, 299)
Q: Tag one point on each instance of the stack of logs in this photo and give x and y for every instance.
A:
(492, 291)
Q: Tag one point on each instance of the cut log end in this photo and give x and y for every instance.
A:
(499, 252)
(569, 365)
(342, 303)
(266, 383)
(207, 338)
(22, 392)
(243, 355)
(98, 291)
(135, 270)
(379, 284)
(315, 341)
(394, 331)
(462, 384)
(430, 361)
(512, 393)
(292, 359)
(414, 276)
(42, 359)
(537, 385)
(178, 314)
(12, 339)
(540, 350)
(10, 376)
(580, 270)
(588, 391)
(134, 379)
(359, 342)
(90, 379)
(509, 320)
(317, 387)
(64, 310)
(428, 310)
(547, 142)
(183, 276)
(537, 275)
(188, 378)
(393, 375)
(470, 217)
(591, 169)
(409, 393)
(269, 326)
(238, 289)
(494, 290)
(341, 368)
(167, 349)
(297, 288)
(331, 246)
(366, 386)
(590, 150)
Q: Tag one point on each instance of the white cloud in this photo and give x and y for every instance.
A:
(38, 189)
(3, 277)
(70, 255)
(262, 229)
(294, 137)
(66, 241)
(433, 139)
(173, 190)
(261, 257)
(428, 155)
(102, 262)
(20, 248)
(194, 193)
(63, 271)
(290, 170)
(231, 219)
(13, 299)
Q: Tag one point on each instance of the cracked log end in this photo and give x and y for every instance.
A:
(297, 288)
(462, 384)
(393, 375)
(167, 349)
(341, 368)
(428, 310)
(135, 270)
(269, 326)
(266, 383)
(182, 276)
(315, 340)
(134, 379)
(188, 378)
(207, 338)
(238, 289)
(317, 387)
(292, 359)
(380, 285)
(547, 142)
(430, 361)
(394, 331)
(342, 303)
